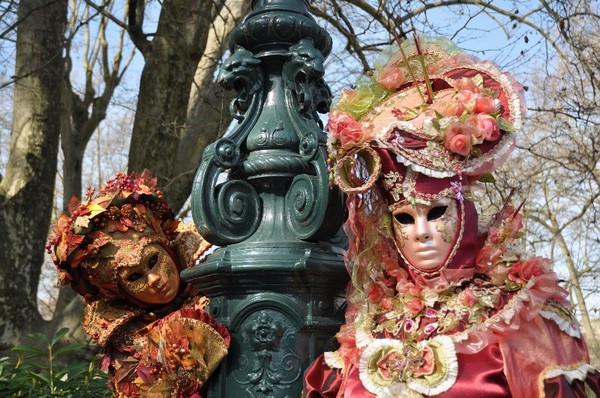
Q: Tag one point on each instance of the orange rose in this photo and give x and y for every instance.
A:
(451, 108)
(458, 138)
(484, 105)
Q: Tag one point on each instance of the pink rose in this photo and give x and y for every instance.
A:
(458, 138)
(466, 83)
(486, 127)
(391, 78)
(524, 270)
(337, 122)
(413, 307)
(484, 105)
(352, 135)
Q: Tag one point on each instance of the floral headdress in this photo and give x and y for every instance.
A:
(84, 243)
(440, 112)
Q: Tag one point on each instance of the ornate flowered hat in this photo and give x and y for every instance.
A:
(438, 111)
(90, 245)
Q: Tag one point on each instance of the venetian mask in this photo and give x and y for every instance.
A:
(154, 279)
(426, 234)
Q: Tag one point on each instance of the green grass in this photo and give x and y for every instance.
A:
(41, 369)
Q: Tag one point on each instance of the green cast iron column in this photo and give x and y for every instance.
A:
(262, 193)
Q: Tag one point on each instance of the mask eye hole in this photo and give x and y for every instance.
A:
(404, 218)
(152, 261)
(134, 277)
(436, 212)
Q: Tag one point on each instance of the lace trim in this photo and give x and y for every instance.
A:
(572, 372)
(562, 317)
(334, 360)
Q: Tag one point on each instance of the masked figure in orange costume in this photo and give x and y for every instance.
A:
(439, 306)
(122, 250)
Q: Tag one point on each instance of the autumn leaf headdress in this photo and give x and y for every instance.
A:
(124, 203)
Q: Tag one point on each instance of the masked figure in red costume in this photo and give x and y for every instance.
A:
(438, 305)
(122, 250)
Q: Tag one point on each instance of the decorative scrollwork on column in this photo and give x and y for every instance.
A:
(230, 212)
(270, 366)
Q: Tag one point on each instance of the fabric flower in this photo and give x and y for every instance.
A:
(352, 135)
(486, 127)
(498, 273)
(523, 270)
(458, 138)
(413, 307)
(451, 107)
(508, 225)
(484, 105)
(358, 102)
(391, 78)
(466, 83)
(429, 296)
(467, 98)
(339, 121)
(468, 298)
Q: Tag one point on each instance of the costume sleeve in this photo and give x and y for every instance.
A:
(170, 357)
(180, 352)
(541, 358)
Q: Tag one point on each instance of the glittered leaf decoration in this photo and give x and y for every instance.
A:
(95, 210)
(505, 125)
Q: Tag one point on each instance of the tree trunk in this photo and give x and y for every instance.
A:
(208, 113)
(586, 323)
(27, 189)
(171, 60)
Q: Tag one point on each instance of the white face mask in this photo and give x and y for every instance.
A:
(425, 234)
